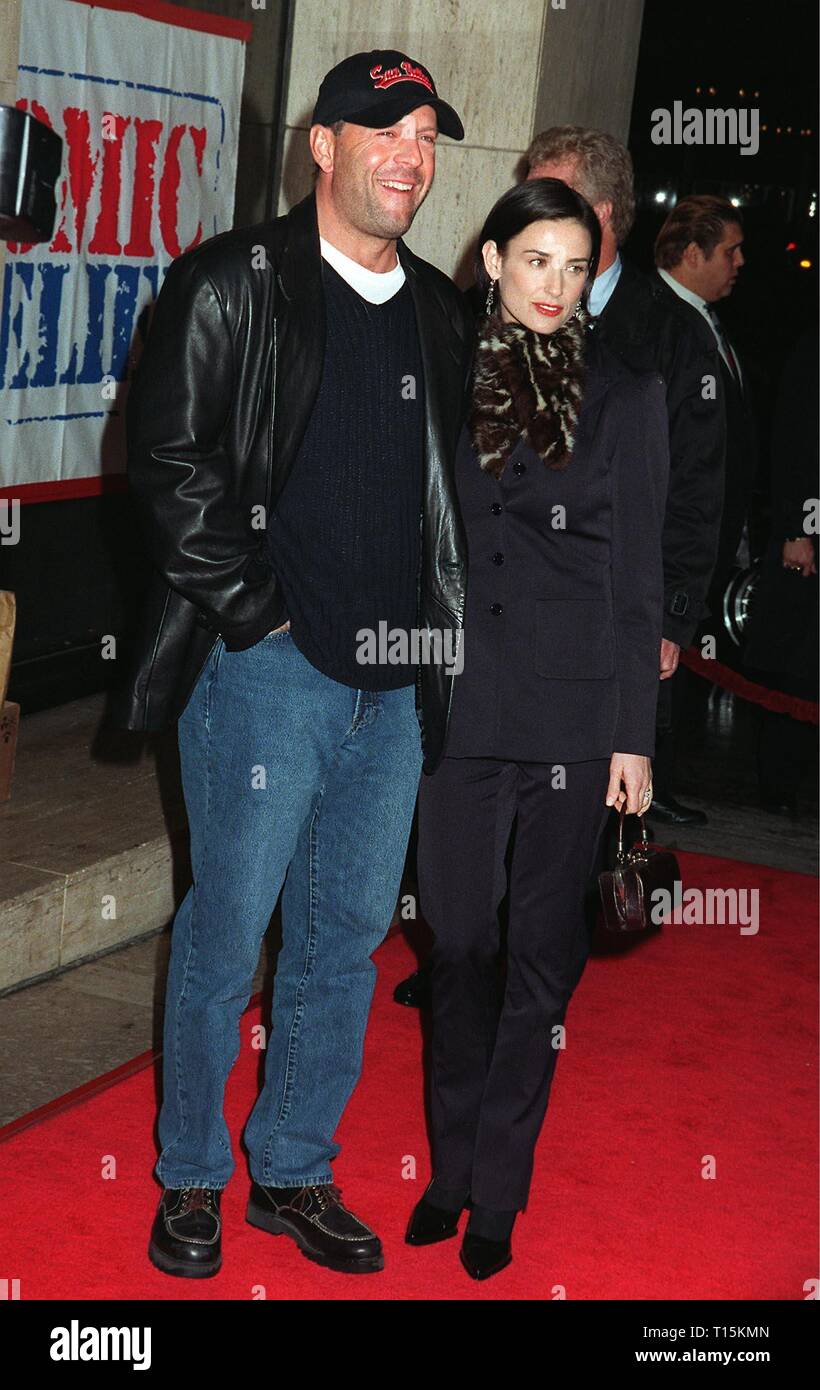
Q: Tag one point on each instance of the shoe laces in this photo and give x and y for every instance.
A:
(323, 1193)
(196, 1198)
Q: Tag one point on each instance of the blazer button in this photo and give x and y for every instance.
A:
(496, 508)
(498, 558)
(496, 609)
(519, 467)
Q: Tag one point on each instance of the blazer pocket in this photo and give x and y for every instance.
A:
(574, 639)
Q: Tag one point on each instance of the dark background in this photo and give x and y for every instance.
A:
(736, 53)
(79, 568)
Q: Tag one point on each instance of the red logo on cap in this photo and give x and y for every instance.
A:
(405, 72)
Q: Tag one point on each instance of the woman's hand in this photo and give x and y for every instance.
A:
(635, 771)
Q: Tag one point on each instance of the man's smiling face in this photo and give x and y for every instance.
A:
(381, 177)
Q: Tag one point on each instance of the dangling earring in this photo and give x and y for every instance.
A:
(488, 306)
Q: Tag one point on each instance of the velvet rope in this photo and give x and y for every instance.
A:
(727, 679)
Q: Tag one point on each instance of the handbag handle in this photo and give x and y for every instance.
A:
(644, 840)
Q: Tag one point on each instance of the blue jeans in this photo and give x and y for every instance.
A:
(290, 779)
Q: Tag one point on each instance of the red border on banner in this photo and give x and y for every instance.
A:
(58, 489)
(167, 13)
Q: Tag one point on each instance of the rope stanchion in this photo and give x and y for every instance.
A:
(776, 700)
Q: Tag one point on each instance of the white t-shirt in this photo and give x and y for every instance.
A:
(376, 286)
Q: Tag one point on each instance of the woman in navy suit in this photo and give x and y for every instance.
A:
(561, 472)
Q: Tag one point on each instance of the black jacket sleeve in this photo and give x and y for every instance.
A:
(179, 405)
(640, 473)
(697, 442)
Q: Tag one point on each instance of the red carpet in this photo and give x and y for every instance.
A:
(698, 1042)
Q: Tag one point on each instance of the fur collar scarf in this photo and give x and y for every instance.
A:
(527, 383)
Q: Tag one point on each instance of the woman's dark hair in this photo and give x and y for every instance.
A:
(537, 200)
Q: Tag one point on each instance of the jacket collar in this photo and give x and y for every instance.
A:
(625, 312)
(681, 306)
(299, 275)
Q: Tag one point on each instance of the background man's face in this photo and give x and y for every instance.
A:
(381, 177)
(716, 275)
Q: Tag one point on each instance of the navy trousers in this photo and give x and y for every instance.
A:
(492, 1059)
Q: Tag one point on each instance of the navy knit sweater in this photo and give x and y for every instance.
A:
(345, 537)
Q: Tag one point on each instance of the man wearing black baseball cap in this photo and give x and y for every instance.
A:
(313, 370)
(374, 131)
(377, 89)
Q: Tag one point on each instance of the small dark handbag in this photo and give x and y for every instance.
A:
(626, 890)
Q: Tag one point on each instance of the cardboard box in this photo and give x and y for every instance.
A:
(9, 725)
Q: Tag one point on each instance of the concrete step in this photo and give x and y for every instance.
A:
(93, 844)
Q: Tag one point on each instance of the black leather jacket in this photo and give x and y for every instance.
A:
(215, 415)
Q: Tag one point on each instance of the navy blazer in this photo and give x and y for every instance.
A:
(565, 585)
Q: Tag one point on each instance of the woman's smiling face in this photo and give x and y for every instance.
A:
(541, 273)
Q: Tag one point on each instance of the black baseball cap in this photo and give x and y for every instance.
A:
(377, 89)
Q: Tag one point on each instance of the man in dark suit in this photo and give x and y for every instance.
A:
(698, 253)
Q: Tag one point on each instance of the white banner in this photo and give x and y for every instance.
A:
(148, 109)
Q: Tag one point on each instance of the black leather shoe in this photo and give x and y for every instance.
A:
(416, 990)
(429, 1224)
(670, 812)
(186, 1238)
(482, 1258)
(320, 1223)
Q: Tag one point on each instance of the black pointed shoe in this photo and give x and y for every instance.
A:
(186, 1238)
(670, 812)
(417, 990)
(323, 1228)
(482, 1258)
(429, 1223)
